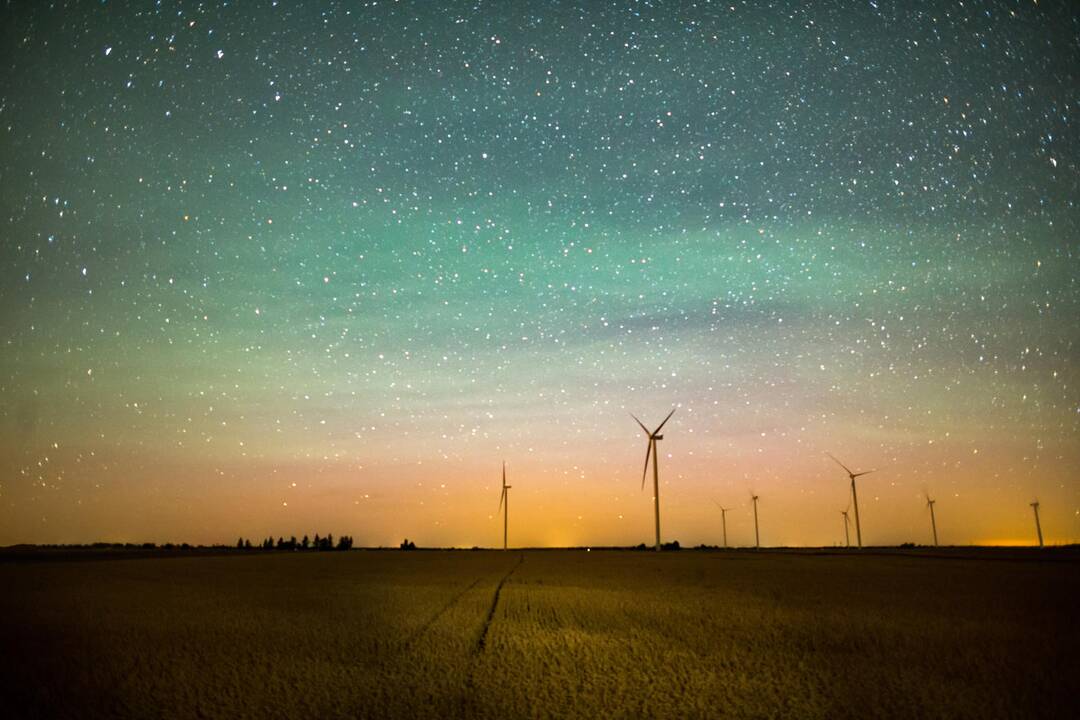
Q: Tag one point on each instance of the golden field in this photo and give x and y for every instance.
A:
(488, 634)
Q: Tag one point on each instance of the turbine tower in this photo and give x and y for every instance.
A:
(933, 520)
(723, 520)
(504, 504)
(1038, 527)
(757, 535)
(854, 495)
(847, 526)
(653, 436)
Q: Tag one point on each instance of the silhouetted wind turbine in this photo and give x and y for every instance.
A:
(757, 535)
(854, 496)
(933, 520)
(653, 436)
(504, 504)
(723, 520)
(1038, 527)
(847, 525)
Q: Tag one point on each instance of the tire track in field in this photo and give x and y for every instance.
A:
(481, 641)
(469, 706)
(419, 633)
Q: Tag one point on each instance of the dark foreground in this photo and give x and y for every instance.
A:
(542, 634)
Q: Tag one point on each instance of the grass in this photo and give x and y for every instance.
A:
(542, 634)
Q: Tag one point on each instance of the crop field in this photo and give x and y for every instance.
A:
(542, 634)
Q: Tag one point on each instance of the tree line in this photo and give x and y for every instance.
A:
(345, 542)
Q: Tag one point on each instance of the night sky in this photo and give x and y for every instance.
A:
(277, 268)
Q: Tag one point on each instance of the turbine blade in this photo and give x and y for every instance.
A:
(502, 496)
(641, 424)
(860, 474)
(657, 430)
(839, 463)
(644, 472)
(504, 473)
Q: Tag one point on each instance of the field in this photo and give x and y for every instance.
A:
(542, 634)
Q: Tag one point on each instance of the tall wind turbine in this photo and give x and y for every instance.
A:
(504, 504)
(723, 520)
(847, 525)
(757, 535)
(933, 521)
(653, 436)
(854, 496)
(1038, 527)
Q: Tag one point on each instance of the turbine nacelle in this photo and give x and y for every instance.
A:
(851, 474)
(655, 434)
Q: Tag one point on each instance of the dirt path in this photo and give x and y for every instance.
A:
(482, 640)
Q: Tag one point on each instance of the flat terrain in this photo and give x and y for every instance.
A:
(542, 634)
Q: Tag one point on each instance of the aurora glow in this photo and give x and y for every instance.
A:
(276, 268)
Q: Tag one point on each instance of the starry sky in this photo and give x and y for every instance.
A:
(277, 268)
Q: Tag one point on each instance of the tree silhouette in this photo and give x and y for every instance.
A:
(320, 543)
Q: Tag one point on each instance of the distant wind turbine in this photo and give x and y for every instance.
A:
(933, 521)
(847, 525)
(1038, 527)
(653, 436)
(723, 520)
(854, 496)
(757, 535)
(504, 504)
